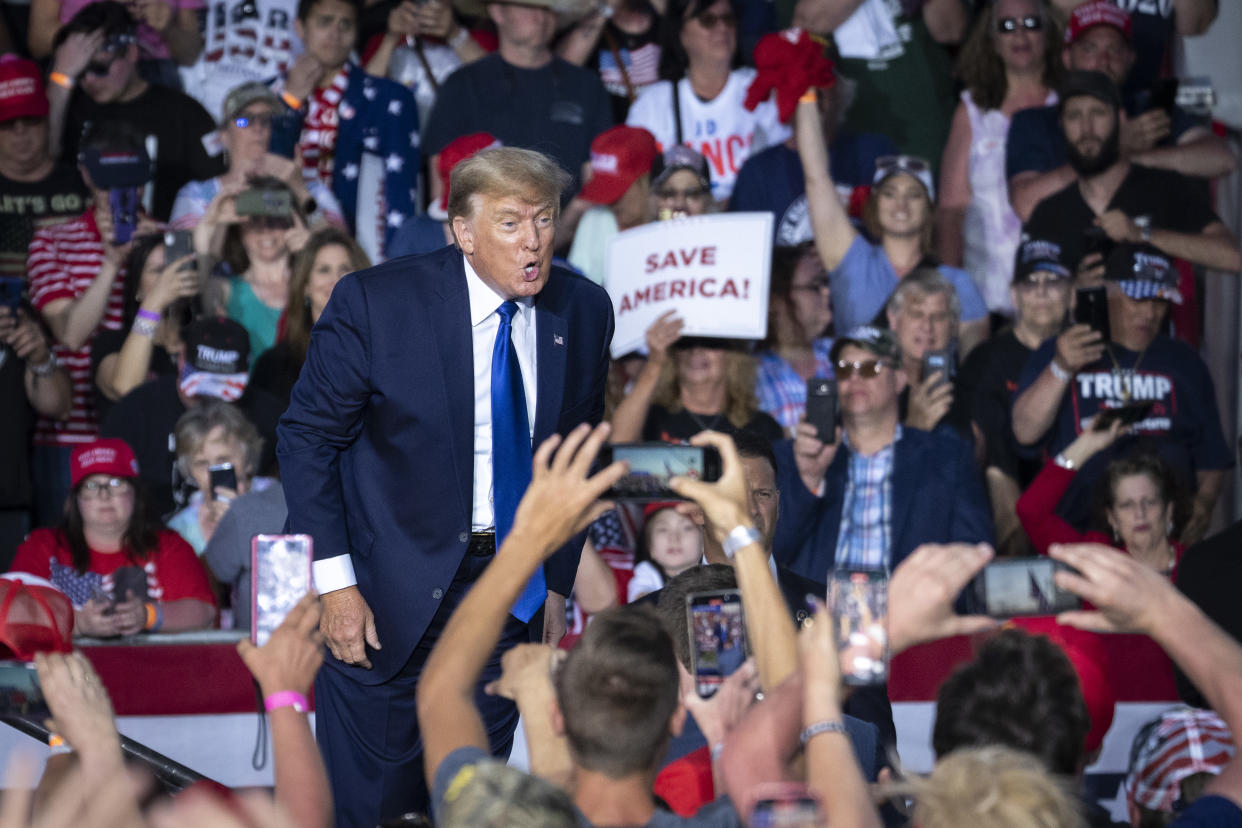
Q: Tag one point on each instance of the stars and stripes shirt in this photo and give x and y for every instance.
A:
(318, 139)
(781, 391)
(64, 260)
(865, 538)
(642, 64)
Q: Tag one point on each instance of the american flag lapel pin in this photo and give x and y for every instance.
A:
(557, 339)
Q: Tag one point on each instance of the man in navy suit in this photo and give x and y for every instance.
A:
(394, 459)
(867, 499)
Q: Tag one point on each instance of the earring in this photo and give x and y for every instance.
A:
(1170, 529)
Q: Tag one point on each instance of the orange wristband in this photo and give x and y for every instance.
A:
(152, 616)
(293, 102)
(61, 79)
(808, 96)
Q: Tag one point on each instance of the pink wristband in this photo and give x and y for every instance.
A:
(287, 698)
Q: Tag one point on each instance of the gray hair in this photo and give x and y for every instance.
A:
(918, 285)
(503, 172)
(194, 426)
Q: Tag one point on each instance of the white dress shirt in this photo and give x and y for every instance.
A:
(338, 572)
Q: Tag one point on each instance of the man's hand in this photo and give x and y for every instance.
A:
(1078, 347)
(724, 502)
(662, 334)
(819, 658)
(348, 626)
(1142, 132)
(1090, 271)
(80, 707)
(554, 625)
(1119, 227)
(525, 672)
(75, 53)
(812, 455)
(292, 655)
(24, 336)
(930, 400)
(922, 591)
(719, 714)
(1129, 596)
(303, 76)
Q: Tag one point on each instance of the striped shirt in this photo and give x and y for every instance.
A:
(64, 260)
(865, 538)
(781, 391)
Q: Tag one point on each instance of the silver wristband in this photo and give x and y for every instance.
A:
(740, 537)
(1059, 372)
(814, 729)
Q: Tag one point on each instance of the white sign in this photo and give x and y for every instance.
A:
(713, 270)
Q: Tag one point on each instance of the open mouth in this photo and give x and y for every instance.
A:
(531, 271)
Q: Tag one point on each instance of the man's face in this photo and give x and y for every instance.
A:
(1101, 49)
(923, 324)
(1134, 323)
(23, 142)
(763, 497)
(329, 31)
(508, 242)
(862, 396)
(1092, 134)
(631, 208)
(248, 144)
(524, 26)
(1043, 300)
(109, 74)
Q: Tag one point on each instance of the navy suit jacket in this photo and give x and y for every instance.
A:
(937, 497)
(376, 449)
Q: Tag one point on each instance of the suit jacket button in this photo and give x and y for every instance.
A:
(437, 594)
(463, 537)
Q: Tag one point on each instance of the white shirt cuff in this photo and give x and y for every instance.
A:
(332, 574)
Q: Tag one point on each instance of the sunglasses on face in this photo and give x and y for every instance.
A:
(708, 20)
(1009, 25)
(263, 120)
(866, 369)
(669, 194)
(100, 68)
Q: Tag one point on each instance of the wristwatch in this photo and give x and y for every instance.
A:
(1063, 461)
(45, 368)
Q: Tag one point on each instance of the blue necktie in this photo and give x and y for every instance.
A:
(511, 451)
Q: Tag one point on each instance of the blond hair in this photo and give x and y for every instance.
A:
(504, 172)
(741, 404)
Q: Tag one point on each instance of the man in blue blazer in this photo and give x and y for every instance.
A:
(867, 500)
(394, 459)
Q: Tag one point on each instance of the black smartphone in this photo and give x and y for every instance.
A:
(20, 692)
(129, 581)
(1128, 414)
(1020, 587)
(177, 243)
(822, 409)
(222, 477)
(717, 637)
(124, 203)
(940, 361)
(11, 288)
(1095, 240)
(1091, 309)
(652, 464)
(275, 203)
(785, 805)
(1164, 95)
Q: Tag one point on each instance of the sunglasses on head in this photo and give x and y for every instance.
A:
(901, 163)
(1009, 25)
(263, 120)
(708, 20)
(866, 369)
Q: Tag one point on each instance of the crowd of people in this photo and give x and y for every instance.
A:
(340, 268)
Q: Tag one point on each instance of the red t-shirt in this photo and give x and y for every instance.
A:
(173, 570)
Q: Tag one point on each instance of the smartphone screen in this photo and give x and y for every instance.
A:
(652, 464)
(822, 409)
(1091, 309)
(858, 600)
(1020, 587)
(280, 573)
(20, 693)
(717, 637)
(785, 805)
(939, 362)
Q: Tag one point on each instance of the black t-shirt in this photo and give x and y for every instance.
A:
(1169, 200)
(987, 383)
(557, 109)
(26, 206)
(108, 342)
(177, 122)
(1209, 574)
(674, 427)
(275, 371)
(16, 424)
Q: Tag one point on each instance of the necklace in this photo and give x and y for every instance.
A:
(706, 424)
(1125, 389)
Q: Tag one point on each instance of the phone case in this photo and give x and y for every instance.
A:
(858, 600)
(717, 637)
(280, 572)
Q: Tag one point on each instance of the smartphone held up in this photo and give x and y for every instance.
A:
(858, 601)
(653, 464)
(717, 637)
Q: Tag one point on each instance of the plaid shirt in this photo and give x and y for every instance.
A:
(781, 392)
(865, 538)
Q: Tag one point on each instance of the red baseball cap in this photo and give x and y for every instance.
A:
(1097, 13)
(35, 617)
(21, 89)
(619, 156)
(108, 456)
(458, 150)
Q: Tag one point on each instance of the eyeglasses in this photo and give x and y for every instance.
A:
(263, 120)
(1009, 25)
(814, 285)
(866, 369)
(709, 21)
(112, 487)
(669, 194)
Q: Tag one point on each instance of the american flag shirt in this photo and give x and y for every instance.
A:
(865, 538)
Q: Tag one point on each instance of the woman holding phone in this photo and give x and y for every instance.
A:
(124, 572)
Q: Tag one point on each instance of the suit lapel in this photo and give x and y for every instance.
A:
(905, 457)
(449, 315)
(551, 330)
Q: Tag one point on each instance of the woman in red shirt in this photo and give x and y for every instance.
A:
(1140, 504)
(124, 572)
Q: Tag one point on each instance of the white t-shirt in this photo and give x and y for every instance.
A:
(244, 40)
(723, 130)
